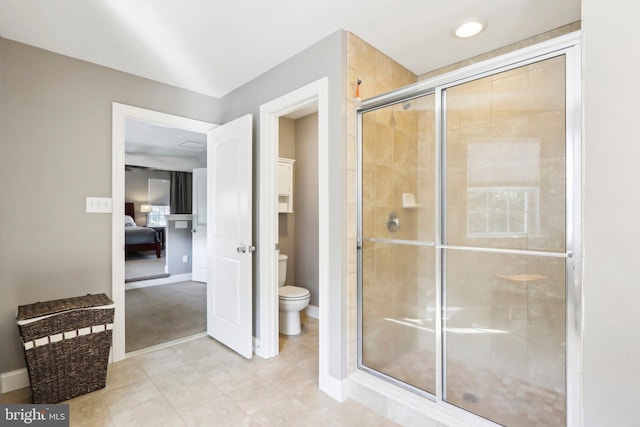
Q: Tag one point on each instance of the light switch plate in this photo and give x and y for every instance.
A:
(99, 205)
(181, 224)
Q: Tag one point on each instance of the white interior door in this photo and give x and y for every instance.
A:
(199, 226)
(229, 235)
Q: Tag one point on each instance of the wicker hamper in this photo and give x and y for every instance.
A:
(66, 345)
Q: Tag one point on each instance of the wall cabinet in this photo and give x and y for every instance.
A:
(285, 185)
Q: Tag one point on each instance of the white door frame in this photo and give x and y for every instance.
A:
(316, 92)
(121, 112)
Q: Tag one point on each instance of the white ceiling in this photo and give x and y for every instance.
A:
(151, 139)
(215, 46)
(159, 147)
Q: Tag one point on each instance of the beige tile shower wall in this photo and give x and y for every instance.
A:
(392, 139)
(379, 74)
(426, 165)
(507, 130)
(398, 280)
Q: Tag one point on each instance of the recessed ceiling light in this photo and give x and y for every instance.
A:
(469, 28)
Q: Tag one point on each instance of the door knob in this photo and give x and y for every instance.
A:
(243, 248)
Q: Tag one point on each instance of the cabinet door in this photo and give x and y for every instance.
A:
(284, 179)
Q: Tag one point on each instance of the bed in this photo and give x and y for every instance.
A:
(136, 238)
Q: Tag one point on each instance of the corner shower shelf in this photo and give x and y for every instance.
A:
(409, 201)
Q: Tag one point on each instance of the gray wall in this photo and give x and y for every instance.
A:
(178, 245)
(55, 121)
(326, 58)
(305, 202)
(136, 189)
(611, 379)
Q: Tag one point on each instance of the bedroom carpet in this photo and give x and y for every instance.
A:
(139, 266)
(157, 314)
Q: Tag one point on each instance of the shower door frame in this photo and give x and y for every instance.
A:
(569, 46)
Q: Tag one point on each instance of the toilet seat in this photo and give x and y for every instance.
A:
(293, 293)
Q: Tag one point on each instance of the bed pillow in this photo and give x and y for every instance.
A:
(128, 221)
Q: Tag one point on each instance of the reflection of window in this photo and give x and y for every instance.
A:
(157, 218)
(501, 211)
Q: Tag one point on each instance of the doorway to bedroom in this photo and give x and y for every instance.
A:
(147, 202)
(162, 304)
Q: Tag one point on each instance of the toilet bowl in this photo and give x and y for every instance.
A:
(291, 301)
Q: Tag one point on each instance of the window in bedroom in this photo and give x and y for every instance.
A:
(159, 199)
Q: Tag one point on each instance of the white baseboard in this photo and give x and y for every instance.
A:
(313, 311)
(337, 389)
(14, 380)
(157, 282)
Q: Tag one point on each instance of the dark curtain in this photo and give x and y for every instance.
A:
(180, 193)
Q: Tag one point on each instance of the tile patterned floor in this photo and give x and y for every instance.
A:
(202, 383)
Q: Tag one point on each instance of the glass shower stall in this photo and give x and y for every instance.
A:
(468, 238)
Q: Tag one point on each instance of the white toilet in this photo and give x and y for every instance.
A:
(291, 300)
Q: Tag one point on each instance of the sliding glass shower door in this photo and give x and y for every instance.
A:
(398, 297)
(465, 236)
(505, 245)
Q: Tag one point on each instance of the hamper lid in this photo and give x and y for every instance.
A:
(47, 308)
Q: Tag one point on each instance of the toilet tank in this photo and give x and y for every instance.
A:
(282, 269)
